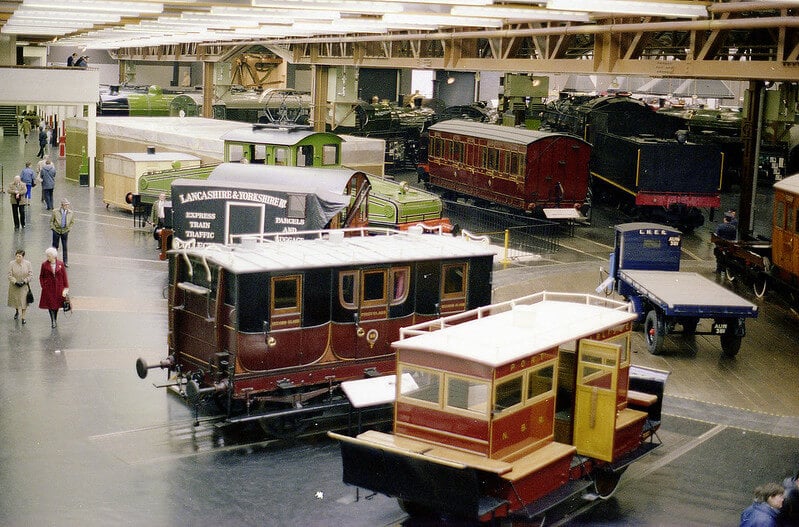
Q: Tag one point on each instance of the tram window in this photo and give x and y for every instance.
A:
(507, 394)
(281, 155)
(374, 286)
(493, 159)
(448, 149)
(347, 288)
(779, 215)
(400, 285)
(296, 206)
(427, 386)
(235, 152)
(305, 156)
(540, 382)
(329, 155)
(454, 283)
(286, 293)
(789, 218)
(258, 154)
(436, 146)
(484, 157)
(467, 394)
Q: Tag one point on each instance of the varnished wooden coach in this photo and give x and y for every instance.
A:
(267, 325)
(511, 409)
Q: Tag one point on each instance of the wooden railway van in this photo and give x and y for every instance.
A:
(283, 322)
(521, 169)
(510, 409)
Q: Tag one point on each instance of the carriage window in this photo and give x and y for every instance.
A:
(235, 152)
(492, 162)
(329, 155)
(305, 156)
(281, 155)
(296, 206)
(540, 382)
(457, 152)
(374, 286)
(515, 165)
(507, 394)
(400, 285)
(423, 385)
(789, 218)
(347, 288)
(467, 394)
(286, 293)
(454, 283)
(259, 154)
(448, 149)
(436, 147)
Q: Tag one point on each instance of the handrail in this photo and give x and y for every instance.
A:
(501, 307)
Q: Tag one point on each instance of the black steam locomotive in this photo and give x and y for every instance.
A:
(643, 158)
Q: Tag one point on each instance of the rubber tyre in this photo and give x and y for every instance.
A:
(654, 331)
(730, 344)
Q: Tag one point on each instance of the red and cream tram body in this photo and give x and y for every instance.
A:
(281, 320)
(522, 169)
(511, 409)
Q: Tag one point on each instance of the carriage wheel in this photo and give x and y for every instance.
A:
(759, 286)
(728, 274)
(285, 427)
(654, 331)
(606, 482)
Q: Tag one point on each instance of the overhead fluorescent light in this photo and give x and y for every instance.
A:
(520, 13)
(344, 6)
(427, 19)
(95, 5)
(633, 7)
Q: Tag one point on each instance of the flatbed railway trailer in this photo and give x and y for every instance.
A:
(645, 269)
(512, 411)
(768, 264)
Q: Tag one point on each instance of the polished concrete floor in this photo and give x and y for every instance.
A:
(85, 442)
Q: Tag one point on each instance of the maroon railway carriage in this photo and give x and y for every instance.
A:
(510, 410)
(273, 323)
(518, 168)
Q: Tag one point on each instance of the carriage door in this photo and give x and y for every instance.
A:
(453, 288)
(595, 402)
(243, 218)
(372, 311)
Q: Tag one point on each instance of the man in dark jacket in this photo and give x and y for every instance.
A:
(42, 142)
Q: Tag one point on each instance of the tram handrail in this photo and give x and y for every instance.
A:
(501, 307)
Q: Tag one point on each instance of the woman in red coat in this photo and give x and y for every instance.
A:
(55, 285)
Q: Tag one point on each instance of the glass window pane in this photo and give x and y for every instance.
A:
(347, 289)
(540, 381)
(467, 394)
(374, 286)
(508, 393)
(296, 206)
(285, 293)
(424, 385)
(399, 291)
(453, 279)
(329, 155)
(281, 156)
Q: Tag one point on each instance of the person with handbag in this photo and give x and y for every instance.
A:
(16, 193)
(55, 284)
(20, 274)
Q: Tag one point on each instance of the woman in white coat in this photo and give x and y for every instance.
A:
(20, 274)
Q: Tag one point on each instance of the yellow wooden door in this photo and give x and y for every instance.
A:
(595, 402)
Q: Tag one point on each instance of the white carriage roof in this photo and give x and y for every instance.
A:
(524, 331)
(334, 250)
(157, 156)
(273, 136)
(520, 136)
(788, 184)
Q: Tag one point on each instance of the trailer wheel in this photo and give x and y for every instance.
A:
(654, 331)
(730, 342)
